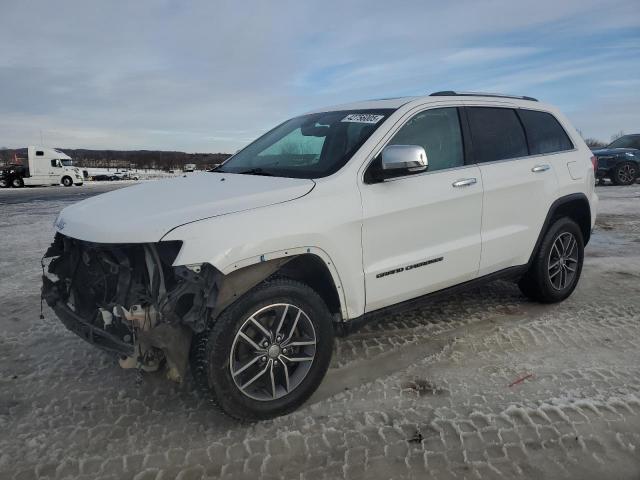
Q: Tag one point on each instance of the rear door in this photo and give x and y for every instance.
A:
(421, 232)
(518, 187)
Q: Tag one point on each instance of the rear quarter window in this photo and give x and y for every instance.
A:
(496, 133)
(544, 132)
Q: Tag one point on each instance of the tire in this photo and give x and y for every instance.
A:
(17, 182)
(67, 181)
(545, 282)
(4, 183)
(221, 350)
(624, 173)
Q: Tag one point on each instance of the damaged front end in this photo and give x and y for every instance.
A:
(128, 299)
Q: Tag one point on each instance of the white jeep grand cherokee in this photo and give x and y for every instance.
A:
(328, 220)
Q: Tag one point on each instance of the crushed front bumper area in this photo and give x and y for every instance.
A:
(84, 329)
(129, 300)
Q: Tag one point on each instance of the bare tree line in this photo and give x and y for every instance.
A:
(595, 143)
(127, 159)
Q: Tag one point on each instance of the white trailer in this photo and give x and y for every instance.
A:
(189, 167)
(46, 166)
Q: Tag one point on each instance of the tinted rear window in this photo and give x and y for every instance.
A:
(497, 134)
(544, 132)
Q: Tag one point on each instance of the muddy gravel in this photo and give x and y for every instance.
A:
(479, 385)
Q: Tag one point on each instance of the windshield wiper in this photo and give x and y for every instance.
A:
(256, 171)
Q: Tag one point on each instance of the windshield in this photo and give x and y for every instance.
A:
(67, 163)
(310, 146)
(628, 141)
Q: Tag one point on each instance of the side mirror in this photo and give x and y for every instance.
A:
(407, 158)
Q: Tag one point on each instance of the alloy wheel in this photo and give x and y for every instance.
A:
(563, 261)
(627, 173)
(272, 352)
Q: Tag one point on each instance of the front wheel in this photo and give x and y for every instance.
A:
(625, 173)
(4, 183)
(556, 266)
(267, 353)
(67, 182)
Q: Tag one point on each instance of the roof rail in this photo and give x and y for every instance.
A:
(451, 93)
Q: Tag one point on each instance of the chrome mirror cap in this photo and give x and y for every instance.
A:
(404, 157)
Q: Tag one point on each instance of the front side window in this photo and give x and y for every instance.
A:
(496, 133)
(544, 133)
(438, 132)
(54, 163)
(310, 146)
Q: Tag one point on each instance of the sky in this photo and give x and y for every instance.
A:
(210, 76)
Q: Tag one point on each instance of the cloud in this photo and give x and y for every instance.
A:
(488, 54)
(209, 76)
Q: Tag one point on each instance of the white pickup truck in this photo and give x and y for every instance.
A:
(45, 166)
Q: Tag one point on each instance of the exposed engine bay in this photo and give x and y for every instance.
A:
(128, 299)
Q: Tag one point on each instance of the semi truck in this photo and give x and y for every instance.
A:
(43, 166)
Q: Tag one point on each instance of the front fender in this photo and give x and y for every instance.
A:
(231, 242)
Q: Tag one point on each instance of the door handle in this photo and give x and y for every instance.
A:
(465, 182)
(540, 168)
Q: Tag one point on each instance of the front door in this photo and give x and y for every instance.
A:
(55, 171)
(421, 232)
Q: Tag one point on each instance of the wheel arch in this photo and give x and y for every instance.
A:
(309, 265)
(574, 206)
(313, 271)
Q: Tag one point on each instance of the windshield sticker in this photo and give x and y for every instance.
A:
(363, 118)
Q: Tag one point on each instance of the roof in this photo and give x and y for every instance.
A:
(398, 102)
(369, 104)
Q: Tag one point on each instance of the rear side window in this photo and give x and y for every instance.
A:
(497, 134)
(544, 132)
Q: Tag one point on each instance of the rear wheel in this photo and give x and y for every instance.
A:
(556, 267)
(625, 173)
(267, 353)
(17, 182)
(67, 181)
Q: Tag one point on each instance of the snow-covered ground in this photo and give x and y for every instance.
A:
(141, 174)
(433, 393)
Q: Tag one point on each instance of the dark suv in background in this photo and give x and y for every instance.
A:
(620, 160)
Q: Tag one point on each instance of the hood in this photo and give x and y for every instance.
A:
(146, 212)
(615, 151)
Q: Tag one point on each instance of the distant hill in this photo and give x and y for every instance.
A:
(140, 159)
